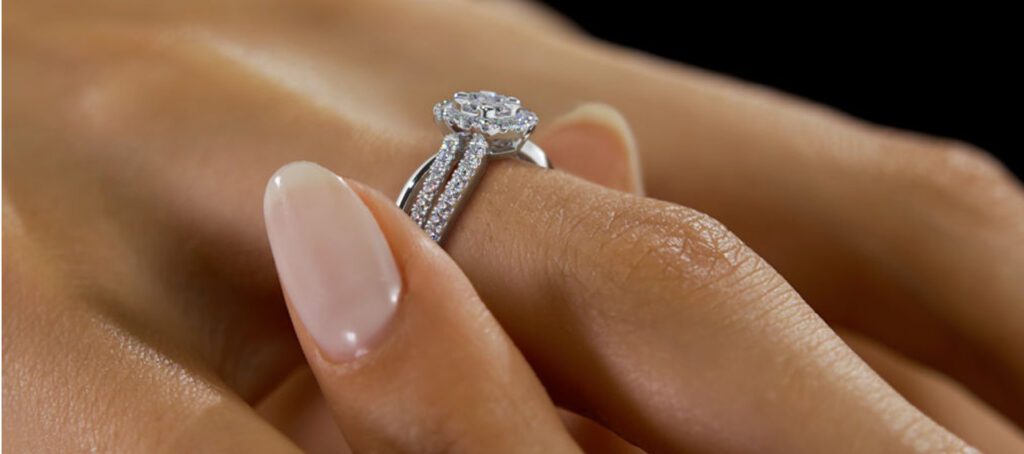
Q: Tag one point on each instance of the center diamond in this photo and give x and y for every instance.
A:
(486, 112)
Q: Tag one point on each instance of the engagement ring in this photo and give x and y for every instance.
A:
(479, 126)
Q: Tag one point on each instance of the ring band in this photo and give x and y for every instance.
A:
(480, 126)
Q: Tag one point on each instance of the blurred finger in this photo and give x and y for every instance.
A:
(297, 408)
(912, 240)
(81, 376)
(944, 400)
(594, 142)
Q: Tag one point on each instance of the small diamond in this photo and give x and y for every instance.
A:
(439, 110)
(461, 177)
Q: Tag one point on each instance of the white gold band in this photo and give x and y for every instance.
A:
(435, 194)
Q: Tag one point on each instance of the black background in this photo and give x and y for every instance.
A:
(948, 73)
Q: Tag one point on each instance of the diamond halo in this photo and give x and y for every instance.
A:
(500, 118)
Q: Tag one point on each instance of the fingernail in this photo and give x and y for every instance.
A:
(333, 261)
(594, 141)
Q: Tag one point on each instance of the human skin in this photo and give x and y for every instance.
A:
(138, 140)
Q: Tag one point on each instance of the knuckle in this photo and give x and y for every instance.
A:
(636, 241)
(954, 172)
(965, 165)
(115, 95)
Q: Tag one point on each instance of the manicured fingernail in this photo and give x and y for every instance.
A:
(333, 261)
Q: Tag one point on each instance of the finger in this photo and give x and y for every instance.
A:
(912, 240)
(658, 322)
(407, 356)
(536, 14)
(594, 142)
(297, 408)
(942, 399)
(80, 376)
(594, 438)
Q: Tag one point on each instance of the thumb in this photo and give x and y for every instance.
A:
(406, 354)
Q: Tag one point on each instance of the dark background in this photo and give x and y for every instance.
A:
(948, 73)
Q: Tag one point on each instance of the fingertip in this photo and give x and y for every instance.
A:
(334, 263)
(296, 174)
(595, 142)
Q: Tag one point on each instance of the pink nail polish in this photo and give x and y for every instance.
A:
(333, 261)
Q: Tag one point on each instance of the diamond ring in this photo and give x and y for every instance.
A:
(479, 126)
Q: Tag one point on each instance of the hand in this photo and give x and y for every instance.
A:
(407, 355)
(139, 154)
(433, 382)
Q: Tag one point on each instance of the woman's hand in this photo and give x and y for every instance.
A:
(407, 355)
(138, 140)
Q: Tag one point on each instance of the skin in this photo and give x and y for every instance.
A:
(141, 309)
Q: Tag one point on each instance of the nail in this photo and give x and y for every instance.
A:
(333, 261)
